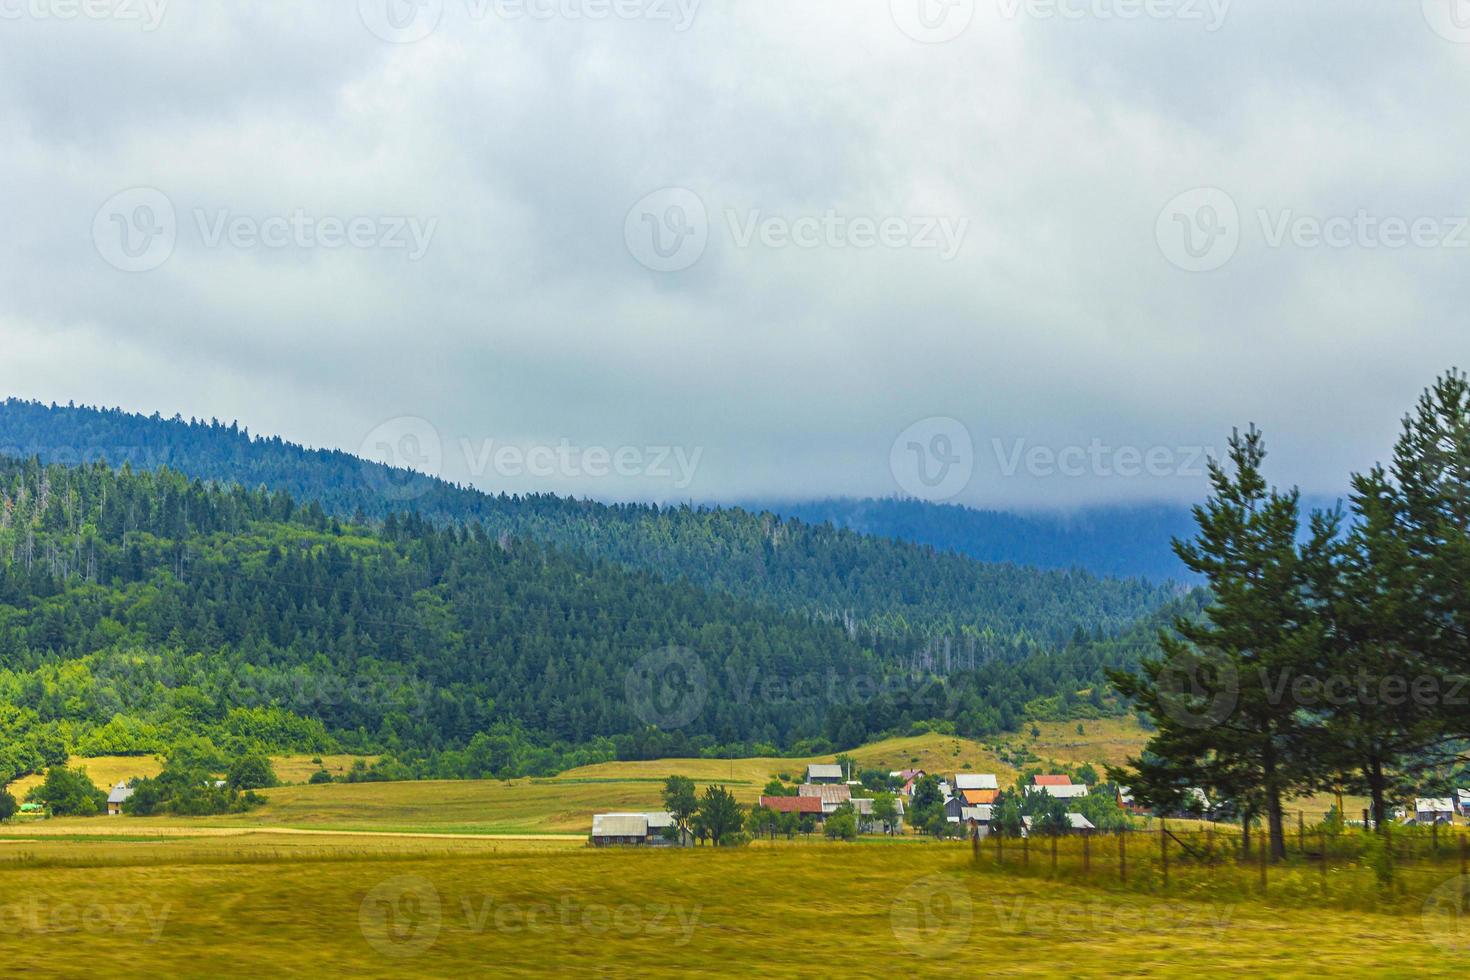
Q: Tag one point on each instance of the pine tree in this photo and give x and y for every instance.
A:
(1222, 693)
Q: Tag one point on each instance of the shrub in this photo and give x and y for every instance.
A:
(251, 771)
(69, 793)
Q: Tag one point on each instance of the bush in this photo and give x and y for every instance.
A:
(841, 826)
(320, 776)
(69, 793)
(252, 771)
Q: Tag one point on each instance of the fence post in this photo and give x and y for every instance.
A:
(1123, 856)
(1265, 853)
(975, 844)
(1324, 860)
(1164, 849)
(1087, 853)
(1301, 832)
(1054, 854)
(1000, 857)
(1434, 837)
(1210, 844)
(1026, 851)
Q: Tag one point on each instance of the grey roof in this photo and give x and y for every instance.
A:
(619, 825)
(980, 813)
(1079, 822)
(1071, 792)
(971, 780)
(826, 792)
(822, 771)
(120, 793)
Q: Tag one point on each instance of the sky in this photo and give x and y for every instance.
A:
(1017, 254)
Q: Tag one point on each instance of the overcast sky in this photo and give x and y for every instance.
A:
(1012, 253)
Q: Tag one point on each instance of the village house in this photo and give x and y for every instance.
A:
(1462, 802)
(1432, 810)
(800, 805)
(975, 781)
(120, 794)
(830, 795)
(979, 797)
(1079, 824)
(631, 829)
(866, 821)
(910, 778)
(820, 773)
(1060, 787)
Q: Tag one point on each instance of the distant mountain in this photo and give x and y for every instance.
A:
(1122, 541)
(877, 586)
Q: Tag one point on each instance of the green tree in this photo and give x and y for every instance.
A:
(885, 811)
(762, 821)
(719, 815)
(69, 793)
(681, 802)
(252, 770)
(1221, 694)
(1401, 616)
(8, 805)
(841, 826)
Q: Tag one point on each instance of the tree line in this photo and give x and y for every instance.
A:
(140, 608)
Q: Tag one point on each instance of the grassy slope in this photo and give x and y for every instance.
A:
(911, 909)
(107, 770)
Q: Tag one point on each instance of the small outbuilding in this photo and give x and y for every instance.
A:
(120, 794)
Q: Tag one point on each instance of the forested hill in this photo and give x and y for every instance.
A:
(137, 609)
(878, 586)
(1120, 541)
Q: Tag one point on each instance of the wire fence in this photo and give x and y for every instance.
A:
(1396, 867)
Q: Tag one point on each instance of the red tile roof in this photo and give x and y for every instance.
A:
(1052, 781)
(793, 804)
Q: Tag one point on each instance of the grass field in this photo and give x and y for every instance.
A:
(356, 907)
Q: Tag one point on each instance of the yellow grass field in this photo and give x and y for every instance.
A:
(214, 907)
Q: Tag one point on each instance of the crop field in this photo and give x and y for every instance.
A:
(210, 906)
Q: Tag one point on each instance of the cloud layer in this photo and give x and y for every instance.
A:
(1065, 245)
